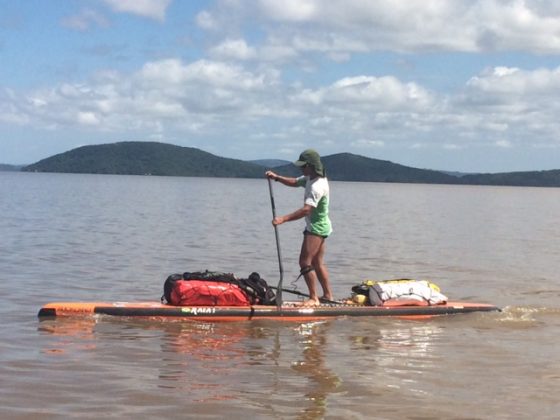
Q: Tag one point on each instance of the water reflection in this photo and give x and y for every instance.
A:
(195, 355)
(247, 361)
(398, 354)
(74, 335)
(322, 380)
(255, 363)
(280, 369)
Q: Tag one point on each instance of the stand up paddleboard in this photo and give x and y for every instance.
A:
(282, 310)
(288, 312)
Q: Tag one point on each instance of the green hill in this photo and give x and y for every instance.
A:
(10, 168)
(350, 167)
(146, 158)
(519, 179)
(270, 163)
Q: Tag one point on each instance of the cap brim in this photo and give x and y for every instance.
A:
(300, 163)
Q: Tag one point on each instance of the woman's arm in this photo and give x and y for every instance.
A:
(286, 180)
(298, 214)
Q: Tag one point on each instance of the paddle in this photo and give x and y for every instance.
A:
(279, 288)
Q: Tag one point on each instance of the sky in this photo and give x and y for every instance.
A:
(470, 86)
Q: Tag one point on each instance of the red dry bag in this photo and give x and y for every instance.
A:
(207, 293)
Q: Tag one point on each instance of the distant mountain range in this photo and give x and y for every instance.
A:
(14, 168)
(149, 158)
(271, 163)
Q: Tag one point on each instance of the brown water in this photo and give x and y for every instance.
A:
(88, 237)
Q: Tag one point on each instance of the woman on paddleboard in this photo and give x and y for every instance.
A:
(317, 223)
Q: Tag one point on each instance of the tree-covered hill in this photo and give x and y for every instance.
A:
(519, 179)
(350, 167)
(146, 158)
(10, 168)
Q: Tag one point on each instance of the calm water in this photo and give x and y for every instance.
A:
(88, 237)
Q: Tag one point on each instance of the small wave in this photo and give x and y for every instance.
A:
(538, 310)
(526, 314)
(541, 292)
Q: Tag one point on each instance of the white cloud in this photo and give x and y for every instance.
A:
(516, 82)
(277, 52)
(85, 20)
(364, 143)
(525, 103)
(374, 93)
(205, 20)
(87, 118)
(205, 72)
(503, 143)
(290, 10)
(349, 26)
(166, 93)
(500, 107)
(452, 146)
(236, 49)
(153, 9)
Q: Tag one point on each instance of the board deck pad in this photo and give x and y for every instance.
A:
(289, 311)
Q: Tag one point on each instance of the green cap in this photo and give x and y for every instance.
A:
(311, 157)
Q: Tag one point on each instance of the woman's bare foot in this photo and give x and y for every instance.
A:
(309, 303)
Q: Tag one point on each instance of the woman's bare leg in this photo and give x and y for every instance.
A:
(322, 272)
(311, 248)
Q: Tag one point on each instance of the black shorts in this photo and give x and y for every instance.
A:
(306, 232)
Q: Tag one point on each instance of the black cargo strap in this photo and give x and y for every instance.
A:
(305, 270)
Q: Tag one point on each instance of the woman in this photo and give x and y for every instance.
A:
(317, 223)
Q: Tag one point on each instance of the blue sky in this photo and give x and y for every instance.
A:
(471, 86)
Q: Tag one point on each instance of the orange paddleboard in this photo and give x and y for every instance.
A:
(290, 311)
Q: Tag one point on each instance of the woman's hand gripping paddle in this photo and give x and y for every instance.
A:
(279, 288)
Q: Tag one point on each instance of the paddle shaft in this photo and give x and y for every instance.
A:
(279, 288)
